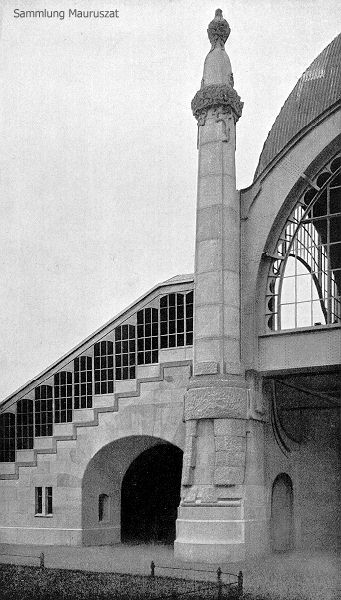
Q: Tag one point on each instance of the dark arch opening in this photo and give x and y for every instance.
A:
(150, 495)
(282, 519)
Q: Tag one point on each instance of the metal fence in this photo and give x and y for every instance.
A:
(223, 585)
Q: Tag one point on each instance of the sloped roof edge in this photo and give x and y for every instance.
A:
(176, 280)
(318, 89)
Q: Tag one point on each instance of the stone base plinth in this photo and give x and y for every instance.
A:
(215, 553)
(211, 534)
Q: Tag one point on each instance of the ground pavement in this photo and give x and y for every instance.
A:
(293, 576)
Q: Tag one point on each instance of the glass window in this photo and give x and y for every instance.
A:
(63, 397)
(43, 405)
(7, 437)
(176, 320)
(147, 336)
(125, 352)
(48, 500)
(304, 286)
(25, 424)
(39, 501)
(104, 367)
(83, 382)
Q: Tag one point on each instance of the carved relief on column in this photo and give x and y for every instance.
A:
(256, 405)
(189, 457)
(224, 114)
(230, 451)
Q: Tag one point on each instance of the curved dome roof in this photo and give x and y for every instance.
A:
(316, 91)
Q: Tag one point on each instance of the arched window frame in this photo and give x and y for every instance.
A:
(285, 250)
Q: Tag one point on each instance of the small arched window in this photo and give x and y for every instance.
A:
(7, 437)
(25, 424)
(304, 284)
(103, 508)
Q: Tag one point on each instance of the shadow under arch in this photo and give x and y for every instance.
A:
(104, 475)
(282, 514)
(150, 495)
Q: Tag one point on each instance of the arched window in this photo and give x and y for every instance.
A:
(125, 352)
(43, 405)
(176, 320)
(103, 508)
(63, 397)
(83, 381)
(7, 437)
(104, 367)
(304, 284)
(25, 424)
(147, 336)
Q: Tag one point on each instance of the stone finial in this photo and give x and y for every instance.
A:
(218, 30)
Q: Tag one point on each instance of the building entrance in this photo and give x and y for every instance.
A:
(150, 495)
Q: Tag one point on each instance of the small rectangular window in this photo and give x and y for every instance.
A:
(39, 501)
(43, 501)
(48, 500)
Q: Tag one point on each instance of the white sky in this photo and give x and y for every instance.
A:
(98, 156)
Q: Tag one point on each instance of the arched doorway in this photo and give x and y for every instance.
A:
(282, 524)
(150, 495)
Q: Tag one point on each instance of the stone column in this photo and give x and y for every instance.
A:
(211, 523)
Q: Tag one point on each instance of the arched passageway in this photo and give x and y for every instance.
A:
(282, 523)
(150, 495)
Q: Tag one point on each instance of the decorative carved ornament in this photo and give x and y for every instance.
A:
(214, 96)
(218, 30)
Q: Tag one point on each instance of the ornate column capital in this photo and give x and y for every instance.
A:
(216, 96)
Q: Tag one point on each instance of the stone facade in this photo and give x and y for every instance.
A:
(254, 410)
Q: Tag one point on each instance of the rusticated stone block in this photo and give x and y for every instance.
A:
(221, 459)
(224, 443)
(206, 368)
(229, 475)
(209, 495)
(229, 427)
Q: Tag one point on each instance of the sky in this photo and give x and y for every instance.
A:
(98, 161)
